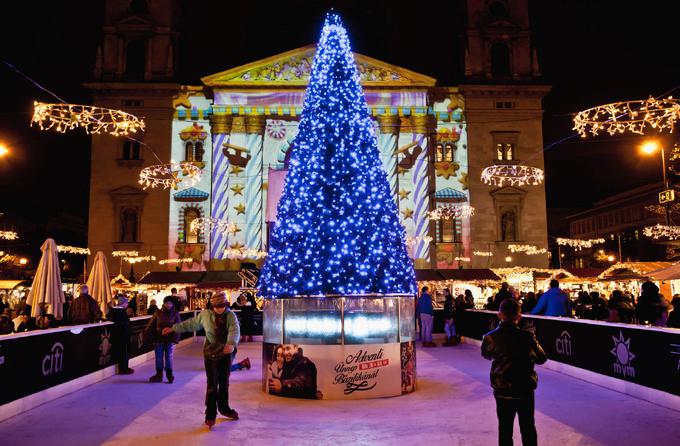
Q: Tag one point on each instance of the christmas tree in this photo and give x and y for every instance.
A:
(338, 229)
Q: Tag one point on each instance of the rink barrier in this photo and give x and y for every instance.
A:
(42, 365)
(640, 361)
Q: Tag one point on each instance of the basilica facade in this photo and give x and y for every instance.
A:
(239, 126)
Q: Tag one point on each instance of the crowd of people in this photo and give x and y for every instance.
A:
(649, 308)
(452, 310)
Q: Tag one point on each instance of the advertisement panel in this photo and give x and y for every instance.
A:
(338, 371)
(646, 356)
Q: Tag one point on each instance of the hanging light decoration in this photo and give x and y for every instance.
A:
(629, 116)
(579, 244)
(8, 235)
(529, 250)
(483, 253)
(212, 224)
(462, 259)
(412, 241)
(125, 253)
(244, 253)
(139, 259)
(74, 250)
(170, 175)
(93, 120)
(661, 210)
(512, 175)
(451, 211)
(662, 231)
(176, 261)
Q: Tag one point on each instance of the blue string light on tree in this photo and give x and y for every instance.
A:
(338, 229)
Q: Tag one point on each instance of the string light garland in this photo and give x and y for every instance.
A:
(7, 258)
(73, 250)
(661, 210)
(244, 253)
(529, 250)
(483, 253)
(629, 116)
(579, 244)
(512, 175)
(8, 235)
(462, 259)
(412, 241)
(170, 175)
(211, 223)
(338, 228)
(175, 261)
(139, 259)
(94, 120)
(125, 253)
(451, 211)
(662, 231)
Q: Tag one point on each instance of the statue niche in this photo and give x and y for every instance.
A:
(508, 226)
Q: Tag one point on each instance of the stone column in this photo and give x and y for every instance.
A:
(255, 125)
(387, 143)
(421, 190)
(220, 125)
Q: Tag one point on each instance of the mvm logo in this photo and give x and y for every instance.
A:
(53, 362)
(624, 356)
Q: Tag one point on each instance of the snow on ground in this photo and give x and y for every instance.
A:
(453, 406)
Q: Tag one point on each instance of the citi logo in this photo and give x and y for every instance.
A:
(563, 344)
(53, 362)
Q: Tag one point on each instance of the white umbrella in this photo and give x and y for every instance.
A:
(99, 282)
(46, 288)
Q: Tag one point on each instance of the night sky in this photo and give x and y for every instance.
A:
(590, 52)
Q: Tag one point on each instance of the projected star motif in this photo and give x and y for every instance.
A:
(240, 209)
(403, 194)
(408, 213)
(236, 169)
(236, 229)
(463, 180)
(237, 245)
(237, 189)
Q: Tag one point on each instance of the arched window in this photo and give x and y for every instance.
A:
(497, 10)
(444, 152)
(500, 60)
(135, 59)
(128, 225)
(198, 152)
(190, 215)
(448, 230)
(189, 151)
(139, 7)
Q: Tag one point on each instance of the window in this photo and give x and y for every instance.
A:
(448, 231)
(505, 104)
(500, 60)
(128, 225)
(498, 11)
(135, 59)
(133, 103)
(198, 151)
(131, 150)
(505, 151)
(190, 215)
(189, 151)
(444, 152)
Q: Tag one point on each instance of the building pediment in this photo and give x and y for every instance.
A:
(292, 68)
(128, 192)
(508, 191)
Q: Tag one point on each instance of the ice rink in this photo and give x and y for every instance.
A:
(452, 406)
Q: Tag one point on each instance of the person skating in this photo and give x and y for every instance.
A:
(121, 335)
(449, 315)
(222, 333)
(514, 352)
(164, 346)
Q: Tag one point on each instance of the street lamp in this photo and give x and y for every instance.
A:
(611, 258)
(508, 259)
(650, 147)
(23, 261)
(3, 151)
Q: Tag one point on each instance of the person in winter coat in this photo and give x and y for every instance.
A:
(425, 310)
(152, 307)
(222, 333)
(449, 315)
(298, 376)
(674, 317)
(164, 346)
(246, 310)
(553, 302)
(84, 309)
(121, 334)
(648, 309)
(501, 295)
(513, 353)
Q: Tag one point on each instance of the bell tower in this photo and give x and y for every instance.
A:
(503, 94)
(134, 72)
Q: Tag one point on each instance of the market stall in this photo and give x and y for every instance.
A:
(157, 285)
(629, 277)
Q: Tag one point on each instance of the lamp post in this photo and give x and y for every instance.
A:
(649, 148)
(508, 259)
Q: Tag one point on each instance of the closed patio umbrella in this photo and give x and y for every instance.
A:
(46, 288)
(99, 282)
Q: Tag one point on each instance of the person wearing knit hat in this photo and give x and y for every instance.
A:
(222, 334)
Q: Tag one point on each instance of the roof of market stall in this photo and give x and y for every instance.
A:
(171, 277)
(632, 270)
(221, 279)
(11, 284)
(669, 273)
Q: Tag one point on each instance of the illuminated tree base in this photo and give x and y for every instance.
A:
(339, 347)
